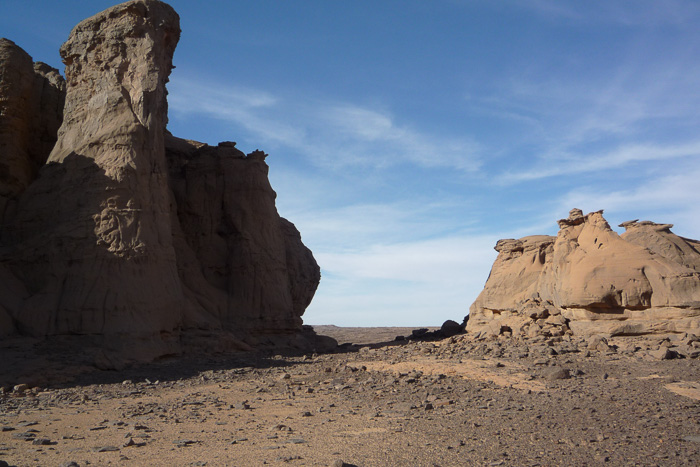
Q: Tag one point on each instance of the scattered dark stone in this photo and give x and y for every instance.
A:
(340, 463)
(70, 464)
(7, 428)
(26, 436)
(105, 449)
(664, 353)
(556, 372)
(132, 443)
(25, 424)
(42, 442)
(599, 343)
(184, 442)
(242, 405)
(450, 328)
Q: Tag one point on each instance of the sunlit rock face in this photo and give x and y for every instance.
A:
(589, 280)
(123, 231)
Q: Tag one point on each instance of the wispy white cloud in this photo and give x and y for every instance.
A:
(412, 283)
(242, 106)
(636, 112)
(626, 12)
(570, 164)
(332, 134)
(668, 198)
(412, 261)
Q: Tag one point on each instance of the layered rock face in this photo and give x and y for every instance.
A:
(118, 237)
(31, 110)
(237, 258)
(589, 280)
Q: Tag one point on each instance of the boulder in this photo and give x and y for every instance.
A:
(590, 281)
(451, 328)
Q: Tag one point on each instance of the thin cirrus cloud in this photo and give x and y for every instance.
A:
(667, 198)
(407, 261)
(625, 12)
(363, 224)
(633, 115)
(333, 135)
(412, 283)
(570, 164)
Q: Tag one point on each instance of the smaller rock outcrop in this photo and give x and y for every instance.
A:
(589, 280)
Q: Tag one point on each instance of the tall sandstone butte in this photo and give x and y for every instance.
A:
(119, 237)
(592, 281)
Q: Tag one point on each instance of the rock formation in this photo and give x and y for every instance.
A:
(589, 280)
(126, 233)
(31, 110)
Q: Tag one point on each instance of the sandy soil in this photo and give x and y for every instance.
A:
(450, 402)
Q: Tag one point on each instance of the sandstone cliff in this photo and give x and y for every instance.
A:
(589, 280)
(31, 110)
(124, 232)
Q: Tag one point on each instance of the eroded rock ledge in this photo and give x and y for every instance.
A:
(588, 280)
(140, 241)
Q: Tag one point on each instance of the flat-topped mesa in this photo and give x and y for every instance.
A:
(146, 242)
(590, 280)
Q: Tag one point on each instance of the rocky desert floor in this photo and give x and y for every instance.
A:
(376, 402)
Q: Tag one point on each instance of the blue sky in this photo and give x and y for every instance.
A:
(407, 137)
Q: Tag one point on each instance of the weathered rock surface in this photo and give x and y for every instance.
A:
(31, 110)
(240, 263)
(127, 234)
(589, 280)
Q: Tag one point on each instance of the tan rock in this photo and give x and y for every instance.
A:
(253, 270)
(31, 109)
(659, 239)
(646, 281)
(93, 240)
(123, 239)
(512, 284)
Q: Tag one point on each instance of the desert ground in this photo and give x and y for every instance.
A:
(374, 402)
